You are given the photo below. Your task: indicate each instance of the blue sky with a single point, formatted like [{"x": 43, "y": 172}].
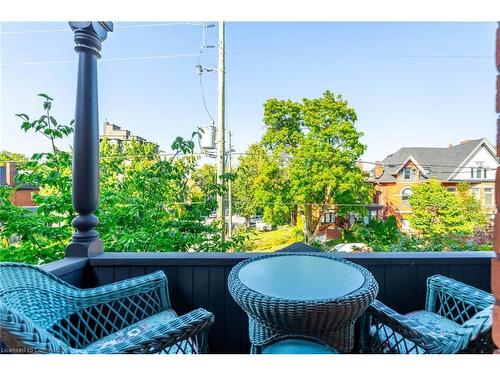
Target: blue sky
[{"x": 412, "y": 84}]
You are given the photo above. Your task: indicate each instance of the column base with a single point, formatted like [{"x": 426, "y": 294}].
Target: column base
[{"x": 84, "y": 249}]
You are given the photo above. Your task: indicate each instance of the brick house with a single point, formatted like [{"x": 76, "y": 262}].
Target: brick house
[
  {"x": 471, "y": 161},
  {"x": 23, "y": 194}
]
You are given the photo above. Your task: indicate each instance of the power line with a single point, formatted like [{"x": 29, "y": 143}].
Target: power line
[
  {"x": 116, "y": 27},
  {"x": 132, "y": 58},
  {"x": 202, "y": 69},
  {"x": 232, "y": 53},
  {"x": 245, "y": 153},
  {"x": 361, "y": 55}
]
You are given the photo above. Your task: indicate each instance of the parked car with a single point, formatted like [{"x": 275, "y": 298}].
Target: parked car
[
  {"x": 263, "y": 226},
  {"x": 352, "y": 247},
  {"x": 254, "y": 220}
]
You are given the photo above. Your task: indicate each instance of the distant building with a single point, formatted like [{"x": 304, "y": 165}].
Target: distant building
[
  {"x": 23, "y": 194},
  {"x": 117, "y": 135},
  {"x": 471, "y": 161}
]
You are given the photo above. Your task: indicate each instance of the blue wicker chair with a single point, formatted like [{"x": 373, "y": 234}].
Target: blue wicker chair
[
  {"x": 39, "y": 313},
  {"x": 457, "y": 319}
]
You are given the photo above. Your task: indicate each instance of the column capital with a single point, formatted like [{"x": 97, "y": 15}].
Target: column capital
[{"x": 90, "y": 35}]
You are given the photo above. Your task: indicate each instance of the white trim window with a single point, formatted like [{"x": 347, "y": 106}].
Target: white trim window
[
  {"x": 476, "y": 192},
  {"x": 409, "y": 174},
  {"x": 478, "y": 172},
  {"x": 488, "y": 197},
  {"x": 405, "y": 194},
  {"x": 329, "y": 218},
  {"x": 405, "y": 224}
]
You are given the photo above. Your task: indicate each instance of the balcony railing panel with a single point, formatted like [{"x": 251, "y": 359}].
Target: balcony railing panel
[
  {"x": 75, "y": 271},
  {"x": 200, "y": 280}
]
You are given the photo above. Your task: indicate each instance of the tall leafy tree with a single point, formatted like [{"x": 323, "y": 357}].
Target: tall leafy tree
[
  {"x": 320, "y": 144},
  {"x": 474, "y": 217},
  {"x": 146, "y": 203},
  {"x": 203, "y": 182},
  {"x": 262, "y": 186},
  {"x": 435, "y": 210},
  {"x": 42, "y": 235},
  {"x": 249, "y": 168}
]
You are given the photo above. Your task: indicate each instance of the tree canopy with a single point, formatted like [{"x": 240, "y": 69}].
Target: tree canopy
[
  {"x": 146, "y": 201},
  {"x": 318, "y": 145},
  {"x": 437, "y": 211}
]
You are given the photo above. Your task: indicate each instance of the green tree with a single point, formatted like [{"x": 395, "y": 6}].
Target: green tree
[
  {"x": 11, "y": 156},
  {"x": 435, "y": 210},
  {"x": 40, "y": 236},
  {"x": 474, "y": 217},
  {"x": 146, "y": 203},
  {"x": 203, "y": 182},
  {"x": 320, "y": 145},
  {"x": 249, "y": 168},
  {"x": 262, "y": 186}
]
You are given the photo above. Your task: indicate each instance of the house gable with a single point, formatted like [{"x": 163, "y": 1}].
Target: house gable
[
  {"x": 482, "y": 157},
  {"x": 410, "y": 163}
]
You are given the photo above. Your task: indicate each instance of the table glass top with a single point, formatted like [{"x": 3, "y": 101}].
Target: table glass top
[{"x": 301, "y": 277}]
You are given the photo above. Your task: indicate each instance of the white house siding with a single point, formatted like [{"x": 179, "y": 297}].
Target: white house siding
[{"x": 481, "y": 156}]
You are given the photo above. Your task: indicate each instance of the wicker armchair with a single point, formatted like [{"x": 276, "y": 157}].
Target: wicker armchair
[
  {"x": 457, "y": 318},
  {"x": 39, "y": 313}
]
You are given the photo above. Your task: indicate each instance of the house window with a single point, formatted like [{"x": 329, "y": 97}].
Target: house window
[
  {"x": 405, "y": 194},
  {"x": 488, "y": 197},
  {"x": 405, "y": 224},
  {"x": 476, "y": 192},
  {"x": 479, "y": 172},
  {"x": 451, "y": 189},
  {"x": 329, "y": 218},
  {"x": 409, "y": 174}
]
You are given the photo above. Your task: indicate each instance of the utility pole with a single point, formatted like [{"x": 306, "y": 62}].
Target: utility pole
[
  {"x": 221, "y": 212},
  {"x": 230, "y": 188}
]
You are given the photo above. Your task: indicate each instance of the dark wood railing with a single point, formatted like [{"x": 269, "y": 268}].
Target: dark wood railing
[{"x": 200, "y": 280}]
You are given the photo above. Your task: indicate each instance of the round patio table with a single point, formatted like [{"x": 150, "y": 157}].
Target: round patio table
[{"x": 311, "y": 296}]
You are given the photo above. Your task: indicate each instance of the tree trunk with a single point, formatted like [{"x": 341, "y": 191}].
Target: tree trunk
[
  {"x": 308, "y": 226},
  {"x": 318, "y": 223}
]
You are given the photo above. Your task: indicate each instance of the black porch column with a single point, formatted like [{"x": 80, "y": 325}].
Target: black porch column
[{"x": 88, "y": 40}]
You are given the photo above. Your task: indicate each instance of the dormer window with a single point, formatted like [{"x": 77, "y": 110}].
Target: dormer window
[{"x": 409, "y": 174}]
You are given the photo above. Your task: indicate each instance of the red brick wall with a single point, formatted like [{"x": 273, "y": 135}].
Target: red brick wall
[
  {"x": 495, "y": 266},
  {"x": 23, "y": 197}
]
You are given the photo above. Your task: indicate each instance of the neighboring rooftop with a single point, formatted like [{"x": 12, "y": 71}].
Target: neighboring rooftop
[
  {"x": 438, "y": 162},
  {"x": 116, "y": 133}
]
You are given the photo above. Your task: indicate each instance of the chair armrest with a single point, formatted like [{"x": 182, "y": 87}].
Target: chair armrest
[
  {"x": 382, "y": 317},
  {"x": 163, "y": 335},
  {"x": 480, "y": 323},
  {"x": 20, "y": 335},
  {"x": 443, "y": 293},
  {"x": 127, "y": 288}
]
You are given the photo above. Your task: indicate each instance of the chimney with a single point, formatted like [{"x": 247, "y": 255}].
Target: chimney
[
  {"x": 10, "y": 173},
  {"x": 379, "y": 170},
  {"x": 450, "y": 145},
  {"x": 360, "y": 165}
]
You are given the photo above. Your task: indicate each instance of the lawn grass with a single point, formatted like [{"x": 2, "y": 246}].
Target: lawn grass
[{"x": 273, "y": 240}]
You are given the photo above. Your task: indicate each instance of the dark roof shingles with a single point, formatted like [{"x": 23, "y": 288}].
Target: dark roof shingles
[{"x": 441, "y": 162}]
